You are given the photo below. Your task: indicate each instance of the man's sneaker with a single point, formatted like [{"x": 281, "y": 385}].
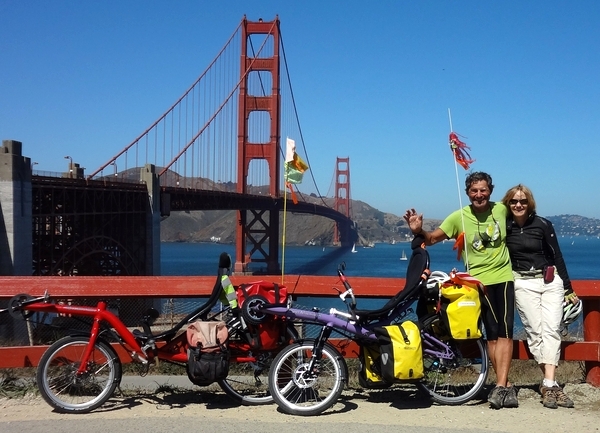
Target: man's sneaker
[
  {"x": 510, "y": 399},
  {"x": 496, "y": 397},
  {"x": 561, "y": 398},
  {"x": 549, "y": 396}
]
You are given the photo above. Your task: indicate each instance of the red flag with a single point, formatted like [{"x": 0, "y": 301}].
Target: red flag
[
  {"x": 292, "y": 192},
  {"x": 465, "y": 279},
  {"x": 460, "y": 151}
]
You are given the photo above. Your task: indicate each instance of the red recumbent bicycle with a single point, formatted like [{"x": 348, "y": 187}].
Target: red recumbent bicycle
[{"x": 80, "y": 372}]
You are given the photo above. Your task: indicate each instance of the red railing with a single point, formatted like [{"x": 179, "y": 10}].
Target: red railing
[{"x": 186, "y": 287}]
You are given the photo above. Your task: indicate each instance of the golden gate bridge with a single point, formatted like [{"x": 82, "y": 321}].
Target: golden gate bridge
[{"x": 219, "y": 146}]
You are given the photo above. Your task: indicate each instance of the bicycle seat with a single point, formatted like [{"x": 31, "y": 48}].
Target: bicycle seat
[
  {"x": 202, "y": 311},
  {"x": 224, "y": 268},
  {"x": 416, "y": 276}
]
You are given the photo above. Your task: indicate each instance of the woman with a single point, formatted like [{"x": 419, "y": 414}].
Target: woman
[{"x": 542, "y": 284}]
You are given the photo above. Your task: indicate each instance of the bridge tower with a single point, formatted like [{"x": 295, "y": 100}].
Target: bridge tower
[
  {"x": 342, "y": 193},
  {"x": 257, "y": 237}
]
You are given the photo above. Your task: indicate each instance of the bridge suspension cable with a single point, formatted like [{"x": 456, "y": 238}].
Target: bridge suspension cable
[
  {"x": 199, "y": 122},
  {"x": 194, "y": 143},
  {"x": 297, "y": 122}
]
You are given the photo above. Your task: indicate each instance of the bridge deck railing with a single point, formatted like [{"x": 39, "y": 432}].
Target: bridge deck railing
[{"x": 587, "y": 350}]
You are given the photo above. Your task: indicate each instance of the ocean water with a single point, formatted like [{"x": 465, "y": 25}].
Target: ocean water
[{"x": 581, "y": 254}]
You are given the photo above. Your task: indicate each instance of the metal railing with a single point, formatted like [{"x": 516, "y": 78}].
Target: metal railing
[{"x": 133, "y": 293}]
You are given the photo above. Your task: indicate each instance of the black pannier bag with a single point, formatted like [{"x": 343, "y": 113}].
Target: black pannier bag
[{"x": 208, "y": 356}]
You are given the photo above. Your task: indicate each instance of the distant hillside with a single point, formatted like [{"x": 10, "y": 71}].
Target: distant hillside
[
  {"x": 373, "y": 226},
  {"x": 575, "y": 225}
]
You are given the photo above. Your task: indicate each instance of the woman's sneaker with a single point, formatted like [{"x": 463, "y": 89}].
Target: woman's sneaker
[
  {"x": 549, "y": 396},
  {"x": 510, "y": 399},
  {"x": 561, "y": 398}
]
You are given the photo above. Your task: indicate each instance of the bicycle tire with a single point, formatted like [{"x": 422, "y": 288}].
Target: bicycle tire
[
  {"x": 294, "y": 391},
  {"x": 247, "y": 381},
  {"x": 458, "y": 380},
  {"x": 66, "y": 391}
]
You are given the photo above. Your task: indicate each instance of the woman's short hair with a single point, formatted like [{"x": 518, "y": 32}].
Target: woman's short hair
[{"x": 528, "y": 194}]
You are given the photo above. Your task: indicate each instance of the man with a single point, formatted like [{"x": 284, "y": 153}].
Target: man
[{"x": 483, "y": 225}]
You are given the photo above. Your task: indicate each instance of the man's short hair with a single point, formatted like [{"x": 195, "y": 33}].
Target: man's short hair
[{"x": 477, "y": 176}]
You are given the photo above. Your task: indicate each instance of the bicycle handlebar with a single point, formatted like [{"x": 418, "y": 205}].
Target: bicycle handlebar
[
  {"x": 24, "y": 303},
  {"x": 348, "y": 288}
]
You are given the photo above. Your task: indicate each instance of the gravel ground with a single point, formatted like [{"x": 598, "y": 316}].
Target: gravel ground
[{"x": 357, "y": 410}]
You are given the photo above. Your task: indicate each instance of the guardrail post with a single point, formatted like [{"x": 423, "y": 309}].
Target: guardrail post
[{"x": 591, "y": 332}]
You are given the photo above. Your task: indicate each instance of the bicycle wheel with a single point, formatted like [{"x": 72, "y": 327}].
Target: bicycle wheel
[
  {"x": 456, "y": 377},
  {"x": 247, "y": 381},
  {"x": 298, "y": 391},
  {"x": 66, "y": 390}
]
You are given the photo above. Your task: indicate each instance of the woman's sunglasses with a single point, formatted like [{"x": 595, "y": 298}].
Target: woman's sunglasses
[{"x": 522, "y": 202}]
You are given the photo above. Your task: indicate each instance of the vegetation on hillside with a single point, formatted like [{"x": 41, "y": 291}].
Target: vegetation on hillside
[{"x": 373, "y": 226}]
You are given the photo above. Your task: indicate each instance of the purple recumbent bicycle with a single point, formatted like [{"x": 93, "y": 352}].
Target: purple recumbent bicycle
[{"x": 308, "y": 376}]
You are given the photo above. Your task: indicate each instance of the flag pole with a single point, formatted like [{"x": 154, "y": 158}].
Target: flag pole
[
  {"x": 284, "y": 229},
  {"x": 294, "y": 168},
  {"x": 462, "y": 217}
]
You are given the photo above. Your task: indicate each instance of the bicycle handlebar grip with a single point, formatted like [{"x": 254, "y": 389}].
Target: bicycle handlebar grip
[{"x": 344, "y": 280}]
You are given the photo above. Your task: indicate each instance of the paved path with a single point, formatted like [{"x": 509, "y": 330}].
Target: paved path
[{"x": 197, "y": 409}]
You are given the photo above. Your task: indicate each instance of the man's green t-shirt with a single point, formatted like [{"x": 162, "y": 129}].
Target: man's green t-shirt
[{"x": 485, "y": 242}]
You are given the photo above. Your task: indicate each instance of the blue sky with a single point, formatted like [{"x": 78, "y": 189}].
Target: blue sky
[{"x": 373, "y": 81}]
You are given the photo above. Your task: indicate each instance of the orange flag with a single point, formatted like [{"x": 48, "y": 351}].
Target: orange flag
[{"x": 459, "y": 245}]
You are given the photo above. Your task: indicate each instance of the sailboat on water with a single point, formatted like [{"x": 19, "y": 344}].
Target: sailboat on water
[{"x": 403, "y": 257}]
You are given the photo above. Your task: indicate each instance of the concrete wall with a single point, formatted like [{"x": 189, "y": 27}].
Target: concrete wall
[
  {"x": 15, "y": 228},
  {"x": 150, "y": 178},
  {"x": 15, "y": 210}
]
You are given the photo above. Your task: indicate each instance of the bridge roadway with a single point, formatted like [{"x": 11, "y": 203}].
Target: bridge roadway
[
  {"x": 90, "y": 218},
  {"x": 188, "y": 199},
  {"x": 182, "y": 199}
]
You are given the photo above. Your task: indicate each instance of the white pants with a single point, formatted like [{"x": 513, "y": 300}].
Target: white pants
[{"x": 541, "y": 310}]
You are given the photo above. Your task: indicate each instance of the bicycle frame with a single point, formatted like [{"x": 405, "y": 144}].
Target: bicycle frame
[
  {"x": 173, "y": 350},
  {"x": 99, "y": 314},
  {"x": 356, "y": 332},
  {"x": 349, "y": 324}
]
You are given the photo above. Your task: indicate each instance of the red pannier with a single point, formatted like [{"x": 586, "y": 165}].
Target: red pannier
[
  {"x": 266, "y": 332},
  {"x": 273, "y": 293}
]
